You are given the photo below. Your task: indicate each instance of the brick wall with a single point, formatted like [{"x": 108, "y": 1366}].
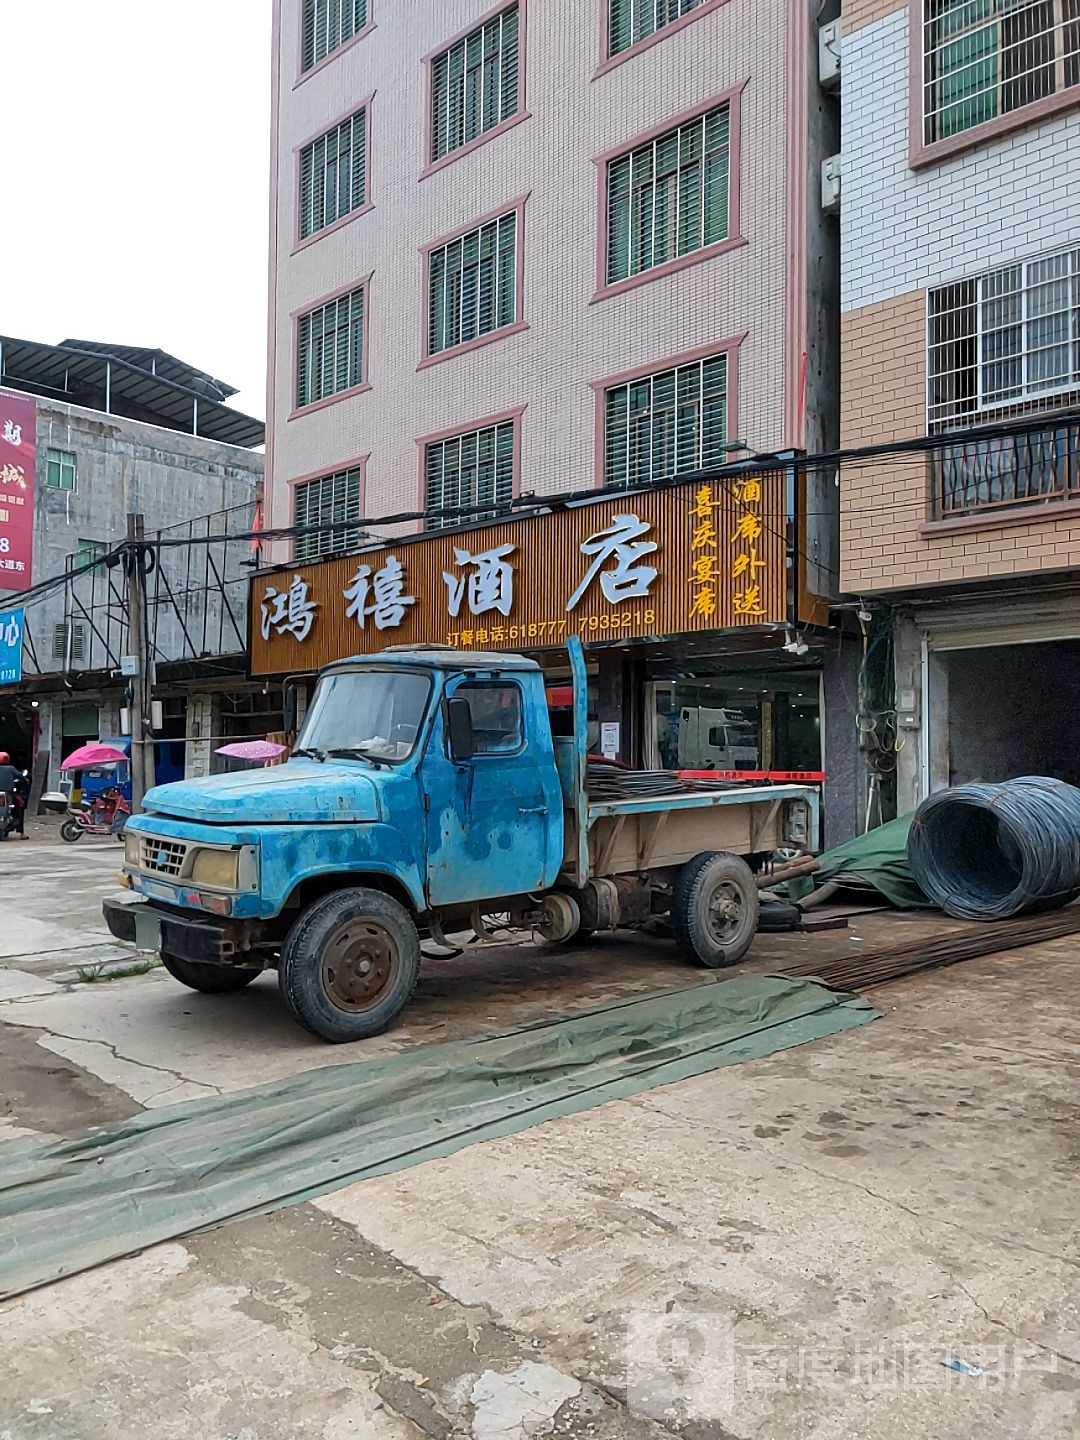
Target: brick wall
[
  {"x": 857, "y": 13},
  {"x": 905, "y": 229},
  {"x": 570, "y": 341},
  {"x": 903, "y": 232},
  {"x": 887, "y": 540}
]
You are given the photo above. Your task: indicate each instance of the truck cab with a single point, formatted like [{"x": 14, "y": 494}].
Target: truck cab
[{"x": 425, "y": 793}]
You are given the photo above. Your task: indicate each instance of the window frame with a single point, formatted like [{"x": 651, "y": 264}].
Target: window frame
[
  {"x": 1051, "y": 402},
  {"x": 358, "y": 462},
  {"x": 50, "y": 451},
  {"x": 734, "y": 238},
  {"x": 430, "y": 166},
  {"x": 309, "y": 308},
  {"x": 301, "y": 242},
  {"x": 354, "y": 38},
  {"x": 519, "y": 323},
  {"x": 608, "y": 61},
  {"x": 91, "y": 550},
  {"x": 492, "y": 684},
  {"x": 922, "y": 152},
  {"x": 452, "y": 432},
  {"x": 730, "y": 346}
]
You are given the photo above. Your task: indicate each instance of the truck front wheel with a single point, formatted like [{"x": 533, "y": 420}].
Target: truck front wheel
[
  {"x": 714, "y": 909},
  {"x": 350, "y": 964},
  {"x": 210, "y": 979}
]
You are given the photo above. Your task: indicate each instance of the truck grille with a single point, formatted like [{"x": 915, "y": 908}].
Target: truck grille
[{"x": 162, "y": 857}]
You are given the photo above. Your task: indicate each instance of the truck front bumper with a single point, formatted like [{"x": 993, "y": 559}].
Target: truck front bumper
[{"x": 199, "y": 938}]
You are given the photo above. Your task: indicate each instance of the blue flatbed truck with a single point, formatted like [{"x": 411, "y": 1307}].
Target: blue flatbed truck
[{"x": 426, "y": 795}]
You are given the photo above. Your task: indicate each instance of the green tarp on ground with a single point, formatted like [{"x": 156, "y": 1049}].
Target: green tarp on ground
[
  {"x": 66, "y": 1205},
  {"x": 877, "y": 859}
]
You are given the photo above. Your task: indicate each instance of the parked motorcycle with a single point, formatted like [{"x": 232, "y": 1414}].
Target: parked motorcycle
[{"x": 106, "y": 814}]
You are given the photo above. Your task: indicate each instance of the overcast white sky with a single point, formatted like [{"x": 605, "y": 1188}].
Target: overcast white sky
[{"x": 135, "y": 179}]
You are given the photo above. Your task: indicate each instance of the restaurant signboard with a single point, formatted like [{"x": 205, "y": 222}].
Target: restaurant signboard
[{"x": 688, "y": 558}]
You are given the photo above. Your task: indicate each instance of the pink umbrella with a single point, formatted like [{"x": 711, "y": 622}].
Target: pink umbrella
[
  {"x": 252, "y": 750},
  {"x": 87, "y": 756}
]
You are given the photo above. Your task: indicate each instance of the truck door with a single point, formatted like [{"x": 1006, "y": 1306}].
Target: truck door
[{"x": 494, "y": 822}]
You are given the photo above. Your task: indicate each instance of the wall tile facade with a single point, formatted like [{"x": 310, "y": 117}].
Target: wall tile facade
[
  {"x": 547, "y": 368},
  {"x": 904, "y": 232},
  {"x": 859, "y": 13}
]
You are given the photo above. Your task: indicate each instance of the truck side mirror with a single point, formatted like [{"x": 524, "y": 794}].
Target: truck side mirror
[{"x": 459, "y": 727}]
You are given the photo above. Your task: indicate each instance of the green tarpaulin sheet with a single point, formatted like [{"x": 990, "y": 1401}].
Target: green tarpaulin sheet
[
  {"x": 877, "y": 859},
  {"x": 66, "y": 1205}
]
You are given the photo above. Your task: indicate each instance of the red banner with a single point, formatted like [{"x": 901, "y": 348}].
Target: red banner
[
  {"x": 18, "y": 435},
  {"x": 801, "y": 777}
]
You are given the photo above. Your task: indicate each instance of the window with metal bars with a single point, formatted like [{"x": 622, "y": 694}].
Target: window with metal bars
[
  {"x": 472, "y": 284},
  {"x": 475, "y": 84},
  {"x": 631, "y": 21},
  {"x": 1006, "y": 342},
  {"x": 475, "y": 468},
  {"x": 333, "y": 175},
  {"x": 1001, "y": 345},
  {"x": 661, "y": 425},
  {"x": 332, "y": 501},
  {"x": 328, "y": 24},
  {"x": 985, "y": 58},
  {"x": 669, "y": 197},
  {"x": 330, "y": 348}
]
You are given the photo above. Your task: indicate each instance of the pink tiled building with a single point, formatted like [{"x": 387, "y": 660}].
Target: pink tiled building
[
  {"x": 536, "y": 247},
  {"x": 493, "y": 222}
]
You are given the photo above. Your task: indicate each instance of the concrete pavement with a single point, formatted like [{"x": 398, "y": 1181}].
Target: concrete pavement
[{"x": 788, "y": 1248}]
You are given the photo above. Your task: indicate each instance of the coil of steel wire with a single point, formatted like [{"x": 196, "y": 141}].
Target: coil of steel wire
[{"x": 984, "y": 852}]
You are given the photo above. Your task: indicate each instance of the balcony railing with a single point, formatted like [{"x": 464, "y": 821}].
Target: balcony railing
[{"x": 1006, "y": 471}]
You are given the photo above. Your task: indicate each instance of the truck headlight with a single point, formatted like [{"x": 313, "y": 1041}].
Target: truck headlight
[
  {"x": 131, "y": 850},
  {"x": 216, "y": 867}
]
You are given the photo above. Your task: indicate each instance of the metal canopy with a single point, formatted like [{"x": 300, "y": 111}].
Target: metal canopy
[{"x": 129, "y": 381}]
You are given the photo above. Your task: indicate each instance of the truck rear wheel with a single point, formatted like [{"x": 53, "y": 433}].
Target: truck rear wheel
[
  {"x": 210, "y": 979},
  {"x": 714, "y": 909},
  {"x": 350, "y": 964}
]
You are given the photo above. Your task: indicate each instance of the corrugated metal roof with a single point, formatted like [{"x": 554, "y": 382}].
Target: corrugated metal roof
[
  {"x": 76, "y": 373},
  {"x": 160, "y": 362}
]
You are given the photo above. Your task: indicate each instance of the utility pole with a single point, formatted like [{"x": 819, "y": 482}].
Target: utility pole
[{"x": 142, "y": 740}]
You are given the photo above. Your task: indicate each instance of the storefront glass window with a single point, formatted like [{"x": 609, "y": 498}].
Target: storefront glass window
[{"x": 737, "y": 722}]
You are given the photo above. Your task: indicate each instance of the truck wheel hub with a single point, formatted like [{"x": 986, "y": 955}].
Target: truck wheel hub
[
  {"x": 358, "y": 964},
  {"x": 725, "y": 911}
]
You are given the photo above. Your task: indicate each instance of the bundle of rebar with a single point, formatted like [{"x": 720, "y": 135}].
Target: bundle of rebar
[
  {"x": 612, "y": 782},
  {"x": 984, "y": 852},
  {"x": 878, "y": 967}
]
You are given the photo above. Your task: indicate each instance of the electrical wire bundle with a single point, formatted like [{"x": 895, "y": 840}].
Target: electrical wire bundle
[{"x": 985, "y": 852}]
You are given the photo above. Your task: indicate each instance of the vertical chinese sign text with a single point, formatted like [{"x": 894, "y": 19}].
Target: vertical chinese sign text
[{"x": 18, "y": 427}]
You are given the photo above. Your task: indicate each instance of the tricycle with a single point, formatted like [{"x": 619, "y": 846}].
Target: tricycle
[
  {"x": 425, "y": 796},
  {"x": 104, "y": 814}
]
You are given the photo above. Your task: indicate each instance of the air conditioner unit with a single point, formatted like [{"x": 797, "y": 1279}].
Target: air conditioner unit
[
  {"x": 829, "y": 38},
  {"x": 831, "y": 171}
]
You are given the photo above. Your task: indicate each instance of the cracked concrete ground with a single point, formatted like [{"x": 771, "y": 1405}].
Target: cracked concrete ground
[{"x": 787, "y": 1248}]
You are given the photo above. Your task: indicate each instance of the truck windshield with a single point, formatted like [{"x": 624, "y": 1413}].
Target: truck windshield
[{"x": 375, "y": 714}]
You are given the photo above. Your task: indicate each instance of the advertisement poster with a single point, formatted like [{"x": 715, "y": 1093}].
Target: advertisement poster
[
  {"x": 11, "y": 643},
  {"x": 18, "y": 428}
]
